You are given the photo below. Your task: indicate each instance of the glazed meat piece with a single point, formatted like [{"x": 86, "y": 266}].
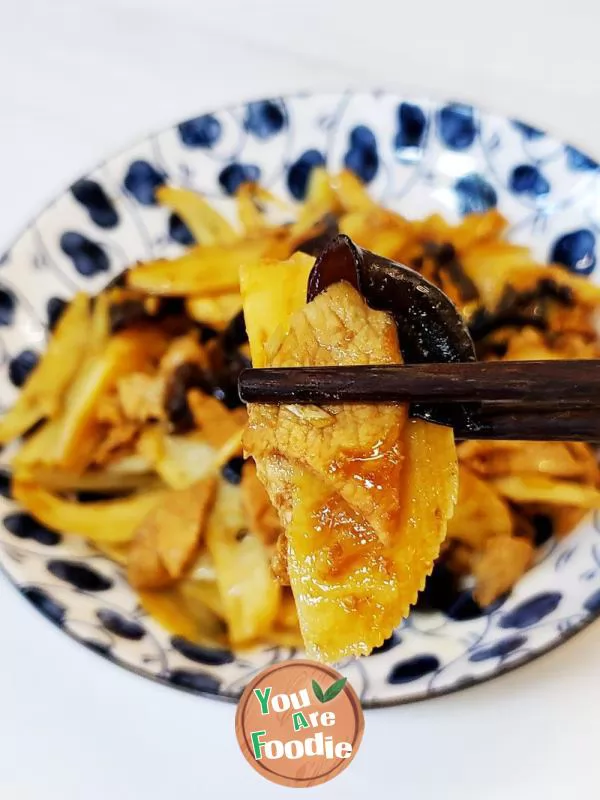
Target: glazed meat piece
[
  {"x": 356, "y": 449},
  {"x": 363, "y": 494},
  {"x": 499, "y": 566}
]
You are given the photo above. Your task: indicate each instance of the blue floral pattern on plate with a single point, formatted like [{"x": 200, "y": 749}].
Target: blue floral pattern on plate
[{"x": 419, "y": 157}]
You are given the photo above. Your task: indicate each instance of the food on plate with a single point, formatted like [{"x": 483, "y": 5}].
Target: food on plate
[
  {"x": 361, "y": 527},
  {"x": 135, "y": 403},
  {"x": 244, "y": 580},
  {"x": 40, "y": 398},
  {"x": 168, "y": 538}
]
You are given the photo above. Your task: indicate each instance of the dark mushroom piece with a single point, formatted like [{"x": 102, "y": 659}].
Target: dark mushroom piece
[
  {"x": 430, "y": 328},
  {"x": 229, "y": 361},
  {"x": 186, "y": 377},
  {"x": 326, "y": 230}
]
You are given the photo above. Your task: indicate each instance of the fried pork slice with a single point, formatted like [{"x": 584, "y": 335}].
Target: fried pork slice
[
  {"x": 356, "y": 449},
  {"x": 362, "y": 493},
  {"x": 500, "y": 564}
]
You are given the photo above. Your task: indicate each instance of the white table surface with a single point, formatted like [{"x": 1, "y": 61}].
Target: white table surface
[{"x": 79, "y": 79}]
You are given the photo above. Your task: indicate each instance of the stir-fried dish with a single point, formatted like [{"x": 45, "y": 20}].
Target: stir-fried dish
[
  {"x": 131, "y": 433},
  {"x": 363, "y": 493}
]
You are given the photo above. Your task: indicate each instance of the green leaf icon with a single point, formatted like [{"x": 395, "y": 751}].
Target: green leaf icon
[
  {"x": 318, "y": 692},
  {"x": 334, "y": 690},
  {"x": 331, "y": 693}
]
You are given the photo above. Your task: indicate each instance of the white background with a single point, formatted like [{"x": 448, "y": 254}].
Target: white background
[{"x": 80, "y": 78}]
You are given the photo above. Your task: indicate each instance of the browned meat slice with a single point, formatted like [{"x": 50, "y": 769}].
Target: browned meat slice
[
  {"x": 363, "y": 494},
  {"x": 356, "y": 449}
]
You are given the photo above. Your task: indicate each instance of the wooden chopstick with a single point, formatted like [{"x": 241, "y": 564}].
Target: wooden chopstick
[
  {"x": 517, "y": 400},
  {"x": 559, "y": 383},
  {"x": 530, "y": 424}
]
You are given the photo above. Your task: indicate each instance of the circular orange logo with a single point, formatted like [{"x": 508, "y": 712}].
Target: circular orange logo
[{"x": 299, "y": 723}]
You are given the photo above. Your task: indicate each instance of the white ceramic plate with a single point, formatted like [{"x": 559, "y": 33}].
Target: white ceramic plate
[{"x": 417, "y": 156}]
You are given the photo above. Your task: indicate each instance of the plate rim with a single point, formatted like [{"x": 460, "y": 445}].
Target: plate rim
[
  {"x": 403, "y": 95},
  {"x": 369, "y": 705}
]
